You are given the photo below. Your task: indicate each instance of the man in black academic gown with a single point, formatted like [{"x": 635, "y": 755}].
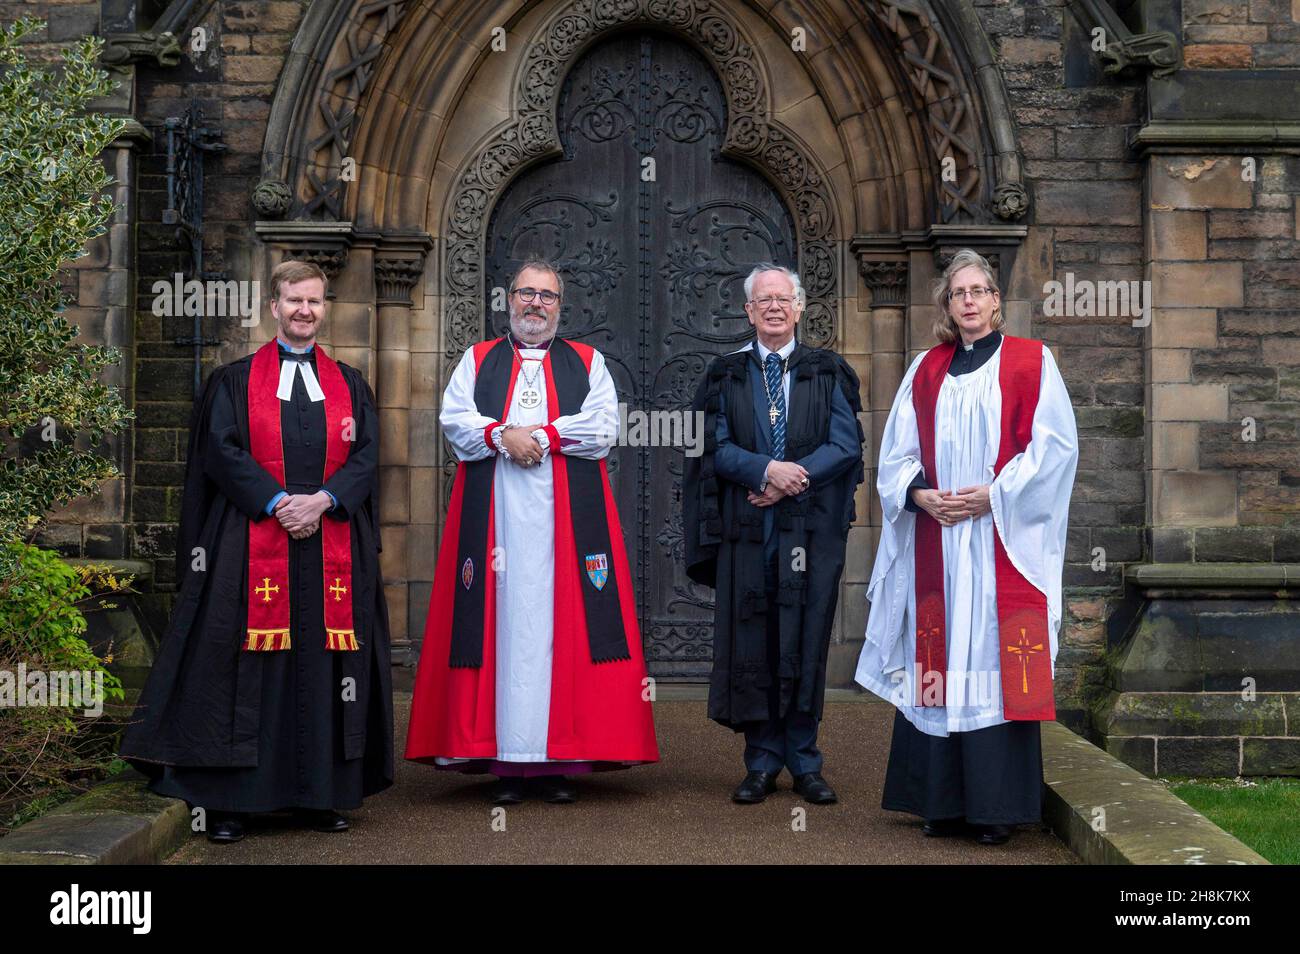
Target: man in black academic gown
[
  {"x": 280, "y": 477},
  {"x": 768, "y": 508}
]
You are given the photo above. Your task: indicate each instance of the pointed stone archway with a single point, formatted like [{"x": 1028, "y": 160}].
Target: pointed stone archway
[{"x": 398, "y": 124}]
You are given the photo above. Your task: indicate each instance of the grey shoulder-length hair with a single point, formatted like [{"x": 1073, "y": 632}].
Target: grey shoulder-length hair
[{"x": 945, "y": 329}]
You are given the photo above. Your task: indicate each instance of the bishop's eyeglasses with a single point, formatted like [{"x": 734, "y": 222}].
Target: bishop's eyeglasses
[{"x": 527, "y": 295}]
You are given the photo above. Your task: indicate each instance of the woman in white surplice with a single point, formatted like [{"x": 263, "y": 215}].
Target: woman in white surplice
[{"x": 961, "y": 765}]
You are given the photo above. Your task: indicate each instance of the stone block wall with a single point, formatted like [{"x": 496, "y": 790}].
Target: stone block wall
[
  {"x": 1224, "y": 251},
  {"x": 1241, "y": 34}
]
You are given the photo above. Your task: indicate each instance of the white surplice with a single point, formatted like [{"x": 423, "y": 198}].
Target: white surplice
[
  {"x": 1030, "y": 502},
  {"x": 524, "y": 511}
]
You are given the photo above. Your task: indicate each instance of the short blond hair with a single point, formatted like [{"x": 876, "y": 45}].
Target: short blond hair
[
  {"x": 945, "y": 329},
  {"x": 291, "y": 270}
]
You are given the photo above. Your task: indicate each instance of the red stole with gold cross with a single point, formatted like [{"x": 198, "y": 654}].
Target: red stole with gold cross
[
  {"x": 268, "y": 542},
  {"x": 1023, "y": 639}
]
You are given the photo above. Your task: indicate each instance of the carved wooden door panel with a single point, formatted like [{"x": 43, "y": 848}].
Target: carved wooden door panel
[{"x": 654, "y": 233}]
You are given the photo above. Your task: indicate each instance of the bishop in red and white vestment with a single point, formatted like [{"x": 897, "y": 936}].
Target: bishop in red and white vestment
[{"x": 532, "y": 659}]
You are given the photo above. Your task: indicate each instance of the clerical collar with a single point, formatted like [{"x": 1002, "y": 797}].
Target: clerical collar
[
  {"x": 990, "y": 340},
  {"x": 783, "y": 352},
  {"x": 524, "y": 346},
  {"x": 293, "y": 350}
]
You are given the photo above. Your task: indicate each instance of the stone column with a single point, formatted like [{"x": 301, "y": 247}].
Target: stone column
[
  {"x": 399, "y": 266},
  {"x": 887, "y": 281}
]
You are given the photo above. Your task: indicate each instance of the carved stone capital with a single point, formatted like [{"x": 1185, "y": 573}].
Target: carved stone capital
[
  {"x": 887, "y": 281},
  {"x": 127, "y": 48},
  {"x": 396, "y": 274},
  {"x": 322, "y": 243},
  {"x": 332, "y": 260},
  {"x": 944, "y": 255}
]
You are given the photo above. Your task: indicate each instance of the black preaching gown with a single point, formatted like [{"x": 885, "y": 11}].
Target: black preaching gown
[
  {"x": 307, "y": 750},
  {"x": 990, "y": 776}
]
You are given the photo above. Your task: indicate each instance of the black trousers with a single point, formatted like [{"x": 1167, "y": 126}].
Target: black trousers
[
  {"x": 784, "y": 741},
  {"x": 991, "y": 776}
]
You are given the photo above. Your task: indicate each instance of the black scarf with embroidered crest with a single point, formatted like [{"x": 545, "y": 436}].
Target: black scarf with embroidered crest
[{"x": 579, "y": 481}]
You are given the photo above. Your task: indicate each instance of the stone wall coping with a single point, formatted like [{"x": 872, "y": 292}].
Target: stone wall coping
[
  {"x": 1141, "y": 822},
  {"x": 1243, "y": 576},
  {"x": 1196, "y": 135},
  {"x": 118, "y": 822}
]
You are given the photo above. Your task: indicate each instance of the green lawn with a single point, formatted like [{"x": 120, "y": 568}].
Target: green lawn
[{"x": 1264, "y": 814}]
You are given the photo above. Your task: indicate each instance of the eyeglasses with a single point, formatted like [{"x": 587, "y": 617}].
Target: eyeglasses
[
  {"x": 785, "y": 301},
  {"x": 978, "y": 293},
  {"x": 547, "y": 296}
]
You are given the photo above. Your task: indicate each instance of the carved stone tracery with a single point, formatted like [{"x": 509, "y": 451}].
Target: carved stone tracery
[{"x": 340, "y": 90}]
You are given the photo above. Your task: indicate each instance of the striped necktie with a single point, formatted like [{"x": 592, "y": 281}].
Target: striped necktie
[{"x": 776, "y": 399}]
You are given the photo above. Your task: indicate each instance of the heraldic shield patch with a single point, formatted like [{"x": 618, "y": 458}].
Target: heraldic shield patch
[{"x": 597, "y": 569}]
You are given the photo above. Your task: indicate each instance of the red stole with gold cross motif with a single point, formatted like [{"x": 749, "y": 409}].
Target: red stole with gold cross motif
[
  {"x": 1023, "y": 639},
  {"x": 268, "y": 542}
]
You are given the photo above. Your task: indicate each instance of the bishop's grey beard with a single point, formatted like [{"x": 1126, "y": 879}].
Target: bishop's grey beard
[{"x": 531, "y": 326}]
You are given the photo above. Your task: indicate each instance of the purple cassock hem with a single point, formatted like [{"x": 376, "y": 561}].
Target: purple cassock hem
[{"x": 519, "y": 769}]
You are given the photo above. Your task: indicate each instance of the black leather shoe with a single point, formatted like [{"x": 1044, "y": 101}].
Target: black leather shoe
[
  {"x": 993, "y": 834},
  {"x": 756, "y": 787},
  {"x": 943, "y": 827},
  {"x": 226, "y": 829},
  {"x": 557, "y": 790},
  {"x": 813, "y": 788},
  {"x": 322, "y": 819},
  {"x": 509, "y": 791}
]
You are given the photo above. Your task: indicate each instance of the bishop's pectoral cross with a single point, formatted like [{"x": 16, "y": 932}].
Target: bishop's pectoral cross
[
  {"x": 266, "y": 589},
  {"x": 1024, "y": 651},
  {"x": 772, "y": 414}
]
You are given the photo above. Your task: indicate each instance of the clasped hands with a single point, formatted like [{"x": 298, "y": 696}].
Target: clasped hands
[
  {"x": 785, "y": 478},
  {"x": 300, "y": 514},
  {"x": 949, "y": 507},
  {"x": 520, "y": 446}
]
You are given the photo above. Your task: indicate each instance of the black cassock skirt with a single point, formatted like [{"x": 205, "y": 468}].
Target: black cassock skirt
[
  {"x": 300, "y": 736},
  {"x": 991, "y": 776}
]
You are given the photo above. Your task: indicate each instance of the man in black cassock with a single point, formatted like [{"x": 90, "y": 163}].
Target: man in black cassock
[
  {"x": 767, "y": 509},
  {"x": 235, "y": 718}
]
